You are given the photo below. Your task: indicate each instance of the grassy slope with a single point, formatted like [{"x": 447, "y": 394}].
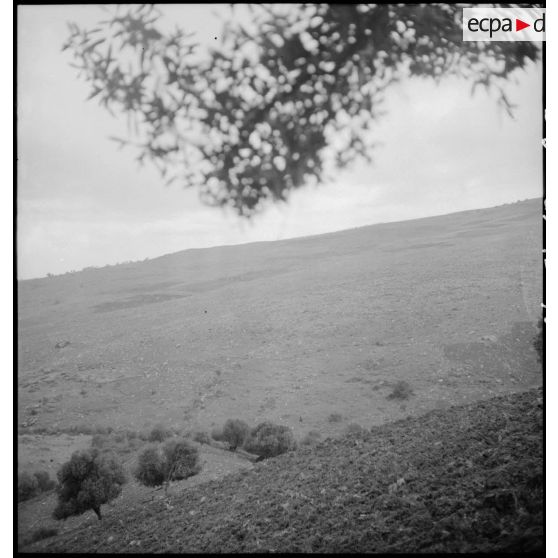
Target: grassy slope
[
  {"x": 290, "y": 331},
  {"x": 472, "y": 482}
]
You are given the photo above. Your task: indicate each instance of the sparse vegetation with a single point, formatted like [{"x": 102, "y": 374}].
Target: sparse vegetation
[
  {"x": 235, "y": 432},
  {"x": 335, "y": 417},
  {"x": 270, "y": 440},
  {"x": 87, "y": 481},
  {"x": 312, "y": 438},
  {"x": 401, "y": 390},
  {"x": 355, "y": 428},
  {"x": 455, "y": 489}
]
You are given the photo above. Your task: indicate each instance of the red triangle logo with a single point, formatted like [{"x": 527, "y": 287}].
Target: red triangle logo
[{"x": 519, "y": 25}]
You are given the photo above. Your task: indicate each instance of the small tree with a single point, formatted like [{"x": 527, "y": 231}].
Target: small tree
[
  {"x": 235, "y": 433},
  {"x": 27, "y": 486},
  {"x": 86, "y": 482},
  {"x": 270, "y": 440},
  {"x": 150, "y": 470},
  {"x": 176, "y": 460},
  {"x": 182, "y": 459}
]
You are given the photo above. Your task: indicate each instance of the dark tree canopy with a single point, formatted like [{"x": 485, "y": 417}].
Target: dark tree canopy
[
  {"x": 87, "y": 481},
  {"x": 269, "y": 108}
]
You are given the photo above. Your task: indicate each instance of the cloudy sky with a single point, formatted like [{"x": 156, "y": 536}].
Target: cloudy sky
[{"x": 82, "y": 202}]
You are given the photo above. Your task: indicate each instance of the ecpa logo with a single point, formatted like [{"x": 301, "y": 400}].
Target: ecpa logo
[{"x": 504, "y": 24}]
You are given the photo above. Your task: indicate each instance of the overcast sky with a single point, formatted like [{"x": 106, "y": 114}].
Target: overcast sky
[{"x": 82, "y": 202}]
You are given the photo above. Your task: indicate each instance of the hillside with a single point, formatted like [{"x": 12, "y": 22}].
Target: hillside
[
  {"x": 289, "y": 331},
  {"x": 314, "y": 333},
  {"x": 468, "y": 479}
]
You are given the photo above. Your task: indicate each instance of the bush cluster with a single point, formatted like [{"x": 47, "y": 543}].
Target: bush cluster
[
  {"x": 29, "y": 486},
  {"x": 175, "y": 460},
  {"x": 201, "y": 437},
  {"x": 269, "y": 440},
  {"x": 265, "y": 440}
]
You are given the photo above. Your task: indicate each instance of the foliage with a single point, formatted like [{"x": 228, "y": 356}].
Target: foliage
[
  {"x": 270, "y": 440},
  {"x": 401, "y": 390},
  {"x": 538, "y": 340},
  {"x": 176, "y": 460},
  {"x": 235, "y": 432},
  {"x": 29, "y": 486},
  {"x": 150, "y": 470},
  {"x": 265, "y": 111},
  {"x": 44, "y": 482},
  {"x": 201, "y": 437},
  {"x": 159, "y": 434},
  {"x": 87, "y": 481},
  {"x": 182, "y": 459}
]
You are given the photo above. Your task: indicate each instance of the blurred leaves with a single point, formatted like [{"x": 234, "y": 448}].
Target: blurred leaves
[{"x": 279, "y": 97}]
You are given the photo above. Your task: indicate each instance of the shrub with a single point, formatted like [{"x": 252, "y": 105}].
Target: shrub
[
  {"x": 538, "y": 340},
  {"x": 401, "y": 390},
  {"x": 44, "y": 482},
  {"x": 217, "y": 434},
  {"x": 201, "y": 437},
  {"x": 159, "y": 434},
  {"x": 176, "y": 460},
  {"x": 311, "y": 438},
  {"x": 150, "y": 470},
  {"x": 87, "y": 481},
  {"x": 235, "y": 433},
  {"x": 181, "y": 459},
  {"x": 335, "y": 417},
  {"x": 27, "y": 486},
  {"x": 270, "y": 440}
]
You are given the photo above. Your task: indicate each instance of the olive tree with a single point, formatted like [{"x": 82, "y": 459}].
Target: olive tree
[
  {"x": 88, "y": 480},
  {"x": 284, "y": 93}
]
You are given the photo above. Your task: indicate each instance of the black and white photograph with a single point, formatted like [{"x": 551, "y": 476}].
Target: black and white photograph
[{"x": 280, "y": 278}]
